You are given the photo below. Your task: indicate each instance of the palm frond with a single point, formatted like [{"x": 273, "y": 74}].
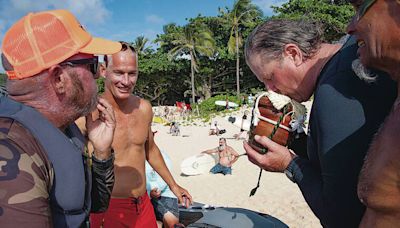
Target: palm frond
[
  {"x": 232, "y": 44},
  {"x": 175, "y": 51}
]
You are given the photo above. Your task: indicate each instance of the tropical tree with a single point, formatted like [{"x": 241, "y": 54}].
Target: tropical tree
[
  {"x": 140, "y": 45},
  {"x": 242, "y": 15},
  {"x": 332, "y": 14},
  {"x": 164, "y": 81},
  {"x": 195, "y": 39},
  {"x": 160, "y": 80}
]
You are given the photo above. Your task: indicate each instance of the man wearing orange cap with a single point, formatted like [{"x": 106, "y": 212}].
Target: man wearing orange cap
[
  {"x": 376, "y": 28},
  {"x": 45, "y": 177},
  {"x": 133, "y": 142}
]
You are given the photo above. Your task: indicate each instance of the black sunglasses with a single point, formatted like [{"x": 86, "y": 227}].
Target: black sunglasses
[{"x": 93, "y": 63}]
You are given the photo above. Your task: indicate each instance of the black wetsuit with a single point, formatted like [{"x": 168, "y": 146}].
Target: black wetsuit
[{"x": 345, "y": 115}]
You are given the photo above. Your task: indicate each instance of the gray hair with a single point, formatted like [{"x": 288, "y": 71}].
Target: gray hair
[
  {"x": 362, "y": 72},
  {"x": 270, "y": 37},
  {"x": 125, "y": 47},
  {"x": 34, "y": 84}
]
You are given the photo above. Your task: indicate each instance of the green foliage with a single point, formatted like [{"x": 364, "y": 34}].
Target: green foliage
[
  {"x": 165, "y": 81},
  {"x": 165, "y": 40},
  {"x": 100, "y": 85},
  {"x": 334, "y": 17},
  {"x": 140, "y": 45},
  {"x": 161, "y": 80},
  {"x": 3, "y": 79},
  {"x": 195, "y": 40},
  {"x": 243, "y": 14},
  {"x": 255, "y": 91},
  {"x": 208, "y": 107}
]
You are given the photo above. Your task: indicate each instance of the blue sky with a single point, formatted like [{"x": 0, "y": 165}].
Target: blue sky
[{"x": 122, "y": 19}]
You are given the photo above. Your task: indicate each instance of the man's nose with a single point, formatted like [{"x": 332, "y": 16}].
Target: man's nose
[{"x": 125, "y": 78}]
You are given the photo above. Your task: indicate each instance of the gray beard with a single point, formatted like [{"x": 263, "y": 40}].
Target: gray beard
[
  {"x": 362, "y": 72},
  {"x": 76, "y": 102}
]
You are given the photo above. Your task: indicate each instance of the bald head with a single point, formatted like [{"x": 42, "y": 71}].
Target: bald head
[{"x": 126, "y": 48}]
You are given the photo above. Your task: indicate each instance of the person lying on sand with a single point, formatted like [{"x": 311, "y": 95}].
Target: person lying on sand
[{"x": 215, "y": 130}]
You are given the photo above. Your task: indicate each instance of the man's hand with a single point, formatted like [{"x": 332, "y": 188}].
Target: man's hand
[
  {"x": 101, "y": 130},
  {"x": 184, "y": 198},
  {"x": 275, "y": 160},
  {"x": 155, "y": 193}
]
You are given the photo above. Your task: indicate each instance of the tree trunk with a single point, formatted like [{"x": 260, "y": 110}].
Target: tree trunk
[
  {"x": 192, "y": 75},
  {"x": 237, "y": 63},
  {"x": 207, "y": 91}
]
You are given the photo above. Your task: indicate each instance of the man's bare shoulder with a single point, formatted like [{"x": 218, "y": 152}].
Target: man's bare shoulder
[
  {"x": 81, "y": 123},
  {"x": 145, "y": 105}
]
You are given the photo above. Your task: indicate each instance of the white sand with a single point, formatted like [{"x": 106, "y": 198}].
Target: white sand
[{"x": 277, "y": 195}]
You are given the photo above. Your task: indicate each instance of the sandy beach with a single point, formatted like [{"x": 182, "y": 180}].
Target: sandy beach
[{"x": 276, "y": 196}]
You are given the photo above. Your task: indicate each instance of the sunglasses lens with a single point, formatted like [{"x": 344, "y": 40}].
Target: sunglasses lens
[
  {"x": 91, "y": 63},
  {"x": 94, "y": 66}
]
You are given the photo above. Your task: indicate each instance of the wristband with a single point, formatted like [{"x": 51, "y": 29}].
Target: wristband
[
  {"x": 289, "y": 171},
  {"x": 106, "y": 161}
]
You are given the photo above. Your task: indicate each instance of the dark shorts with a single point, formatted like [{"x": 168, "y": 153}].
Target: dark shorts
[
  {"x": 218, "y": 168},
  {"x": 164, "y": 204}
]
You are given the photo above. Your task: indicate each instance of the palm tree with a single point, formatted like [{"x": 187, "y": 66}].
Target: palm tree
[
  {"x": 139, "y": 45},
  {"x": 195, "y": 39},
  {"x": 243, "y": 13}
]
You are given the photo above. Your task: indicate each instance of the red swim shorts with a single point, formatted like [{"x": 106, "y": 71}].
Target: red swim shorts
[{"x": 128, "y": 212}]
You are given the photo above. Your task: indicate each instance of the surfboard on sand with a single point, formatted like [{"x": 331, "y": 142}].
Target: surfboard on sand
[
  {"x": 223, "y": 103},
  {"x": 198, "y": 164}
]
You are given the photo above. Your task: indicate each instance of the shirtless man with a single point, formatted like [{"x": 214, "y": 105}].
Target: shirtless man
[
  {"x": 227, "y": 156},
  {"x": 133, "y": 144},
  {"x": 376, "y": 27}
]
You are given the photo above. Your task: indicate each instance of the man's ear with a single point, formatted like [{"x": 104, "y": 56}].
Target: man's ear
[
  {"x": 294, "y": 53},
  {"x": 103, "y": 69},
  {"x": 58, "y": 78}
]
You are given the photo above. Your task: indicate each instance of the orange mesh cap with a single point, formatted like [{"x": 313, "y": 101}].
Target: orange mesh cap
[{"x": 40, "y": 40}]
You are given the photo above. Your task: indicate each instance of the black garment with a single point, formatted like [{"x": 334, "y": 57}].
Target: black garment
[
  {"x": 102, "y": 183},
  {"x": 345, "y": 115},
  {"x": 299, "y": 144}
]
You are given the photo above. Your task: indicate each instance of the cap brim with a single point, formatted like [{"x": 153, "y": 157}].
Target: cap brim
[{"x": 99, "y": 46}]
